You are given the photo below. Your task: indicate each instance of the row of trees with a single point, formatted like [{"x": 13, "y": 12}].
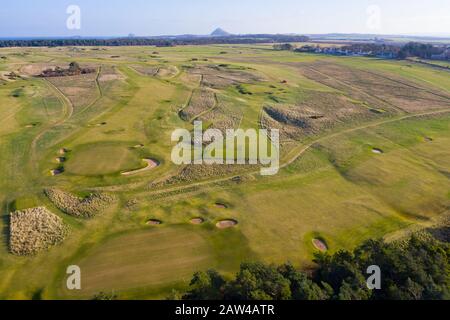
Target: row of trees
[
  {"x": 421, "y": 50},
  {"x": 157, "y": 41},
  {"x": 417, "y": 269}
]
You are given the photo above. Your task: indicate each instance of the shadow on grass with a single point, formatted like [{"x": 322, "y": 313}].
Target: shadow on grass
[{"x": 5, "y": 218}]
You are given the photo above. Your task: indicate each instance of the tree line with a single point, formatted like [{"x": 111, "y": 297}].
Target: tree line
[
  {"x": 157, "y": 41},
  {"x": 416, "y": 269},
  {"x": 420, "y": 50}
]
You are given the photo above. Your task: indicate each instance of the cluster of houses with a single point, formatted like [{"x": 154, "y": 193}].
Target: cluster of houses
[
  {"x": 348, "y": 51},
  {"x": 382, "y": 51}
]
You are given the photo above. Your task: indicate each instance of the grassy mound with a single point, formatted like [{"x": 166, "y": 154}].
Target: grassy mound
[
  {"x": 34, "y": 230},
  {"x": 86, "y": 207}
]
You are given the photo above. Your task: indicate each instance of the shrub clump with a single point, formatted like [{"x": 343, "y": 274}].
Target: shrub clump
[
  {"x": 74, "y": 69},
  {"x": 86, "y": 207},
  {"x": 34, "y": 230}
]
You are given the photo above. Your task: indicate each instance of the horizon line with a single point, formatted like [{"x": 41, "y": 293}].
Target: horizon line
[{"x": 131, "y": 35}]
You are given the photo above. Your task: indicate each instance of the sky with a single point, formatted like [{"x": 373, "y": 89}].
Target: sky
[{"x": 47, "y": 18}]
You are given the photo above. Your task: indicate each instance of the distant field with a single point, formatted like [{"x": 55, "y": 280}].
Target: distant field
[{"x": 364, "y": 154}]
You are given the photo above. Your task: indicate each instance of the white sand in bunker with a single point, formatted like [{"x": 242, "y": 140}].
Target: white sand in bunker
[
  {"x": 63, "y": 151},
  {"x": 377, "y": 151},
  {"x": 101, "y": 124},
  {"x": 197, "y": 221},
  {"x": 320, "y": 245},
  {"x": 151, "y": 164},
  {"x": 225, "y": 224}
]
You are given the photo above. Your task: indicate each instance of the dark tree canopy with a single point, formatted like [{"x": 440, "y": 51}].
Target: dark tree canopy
[
  {"x": 156, "y": 41},
  {"x": 416, "y": 269}
]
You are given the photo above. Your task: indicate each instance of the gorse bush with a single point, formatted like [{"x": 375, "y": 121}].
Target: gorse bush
[
  {"x": 34, "y": 230},
  {"x": 416, "y": 269},
  {"x": 86, "y": 207}
]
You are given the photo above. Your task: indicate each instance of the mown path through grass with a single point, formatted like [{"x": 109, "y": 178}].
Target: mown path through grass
[{"x": 68, "y": 112}]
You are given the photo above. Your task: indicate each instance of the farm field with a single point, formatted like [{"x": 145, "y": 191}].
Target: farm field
[{"x": 365, "y": 154}]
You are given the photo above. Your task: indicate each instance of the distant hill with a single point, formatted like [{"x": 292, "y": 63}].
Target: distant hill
[{"x": 220, "y": 33}]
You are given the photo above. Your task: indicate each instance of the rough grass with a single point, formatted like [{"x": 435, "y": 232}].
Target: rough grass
[
  {"x": 225, "y": 116},
  {"x": 202, "y": 100},
  {"x": 315, "y": 113},
  {"x": 404, "y": 94},
  {"x": 35, "y": 230},
  {"x": 223, "y": 75},
  {"x": 80, "y": 90},
  {"x": 86, "y": 207},
  {"x": 156, "y": 71},
  {"x": 192, "y": 173}
]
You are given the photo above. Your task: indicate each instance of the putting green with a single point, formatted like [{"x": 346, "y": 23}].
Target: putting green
[{"x": 102, "y": 159}]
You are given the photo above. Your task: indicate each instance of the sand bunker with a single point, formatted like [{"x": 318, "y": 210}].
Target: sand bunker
[
  {"x": 221, "y": 205},
  {"x": 151, "y": 164},
  {"x": 377, "y": 151},
  {"x": 197, "y": 221},
  {"x": 154, "y": 222},
  {"x": 225, "y": 224},
  {"x": 56, "y": 172},
  {"x": 101, "y": 124},
  {"x": 320, "y": 245},
  {"x": 63, "y": 151},
  {"x": 60, "y": 159}
]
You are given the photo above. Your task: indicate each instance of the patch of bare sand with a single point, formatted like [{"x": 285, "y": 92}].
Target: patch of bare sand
[
  {"x": 151, "y": 164},
  {"x": 320, "y": 245},
  {"x": 197, "y": 221},
  {"x": 154, "y": 222},
  {"x": 225, "y": 224},
  {"x": 377, "y": 151}
]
